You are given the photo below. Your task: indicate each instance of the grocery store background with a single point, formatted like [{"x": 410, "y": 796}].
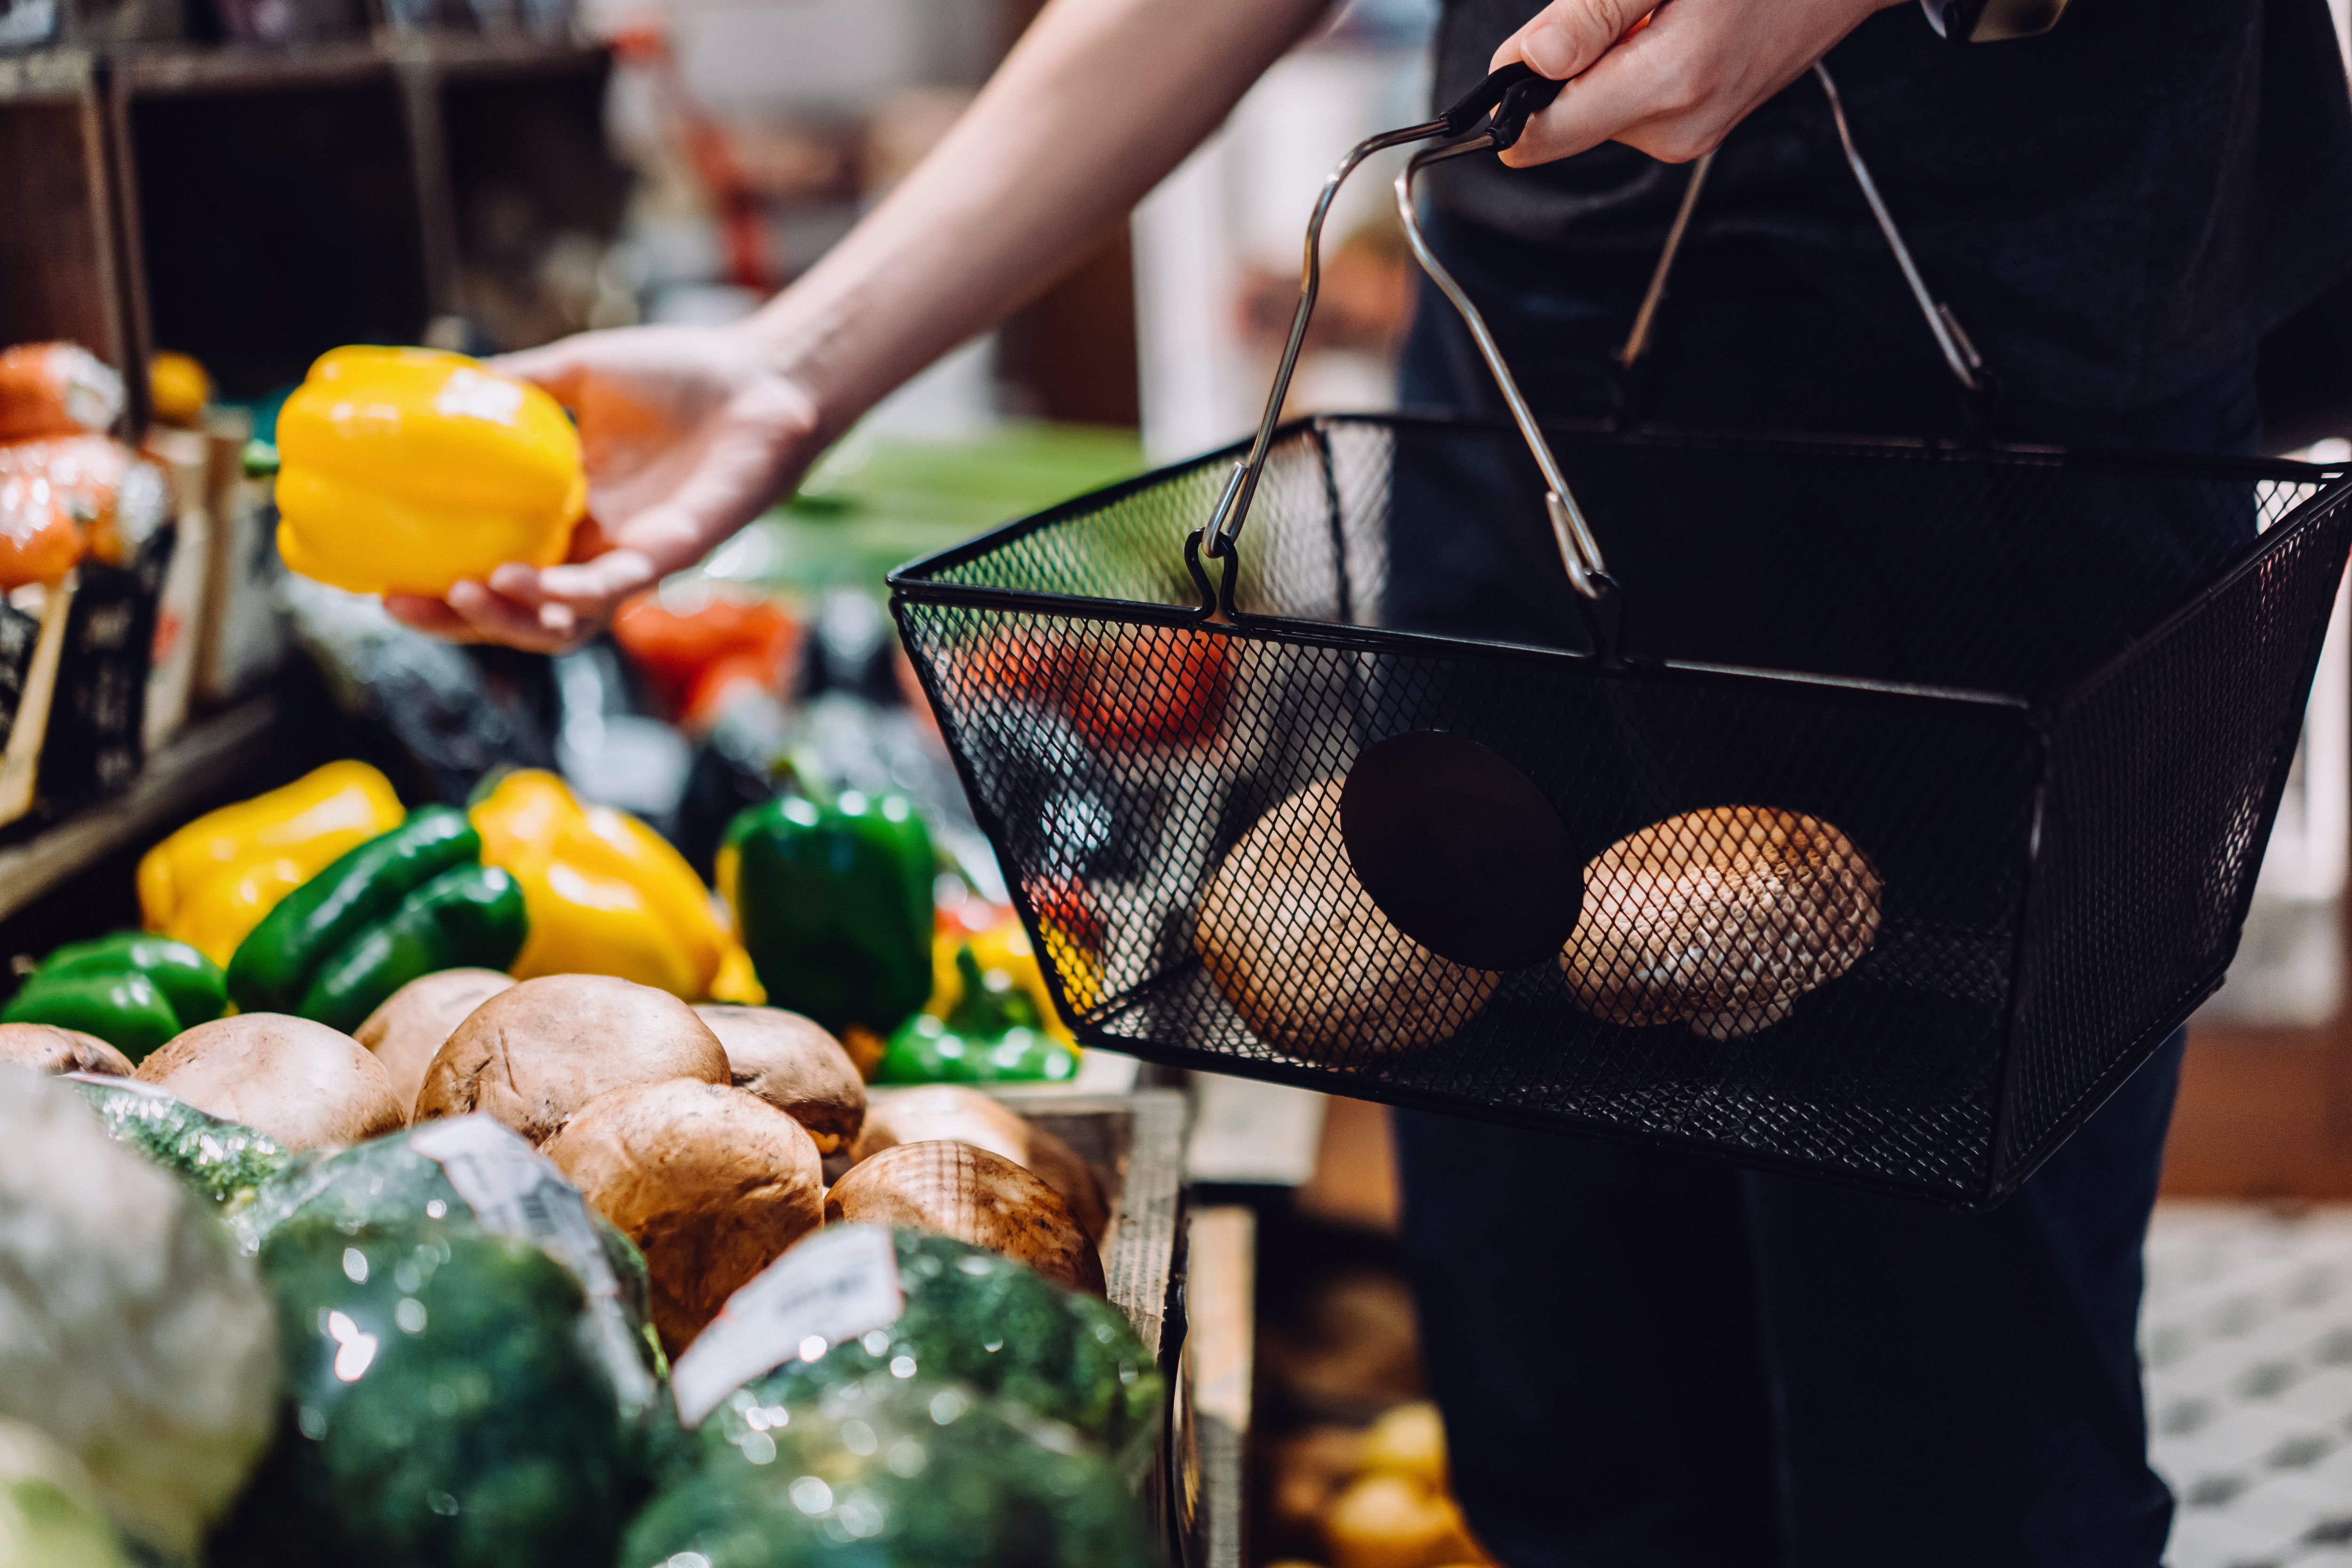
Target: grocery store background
[{"x": 251, "y": 182}]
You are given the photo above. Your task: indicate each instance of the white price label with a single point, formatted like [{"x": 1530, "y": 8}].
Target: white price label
[
  {"x": 836, "y": 1284},
  {"x": 514, "y": 1190}
]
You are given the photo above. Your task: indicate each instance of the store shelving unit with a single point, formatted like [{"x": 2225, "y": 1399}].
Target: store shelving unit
[
  {"x": 144, "y": 191},
  {"x": 180, "y": 779},
  {"x": 189, "y": 773}
]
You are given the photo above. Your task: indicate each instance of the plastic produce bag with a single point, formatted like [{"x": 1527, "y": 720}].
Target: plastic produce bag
[
  {"x": 225, "y": 1160},
  {"x": 131, "y": 1329},
  {"x": 899, "y": 1472},
  {"x": 442, "y": 1408},
  {"x": 50, "y": 1516},
  {"x": 469, "y": 1175},
  {"x": 964, "y": 1314}
]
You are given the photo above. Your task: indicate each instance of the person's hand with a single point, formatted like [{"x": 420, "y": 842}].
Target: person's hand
[
  {"x": 689, "y": 433},
  {"x": 1675, "y": 88}
]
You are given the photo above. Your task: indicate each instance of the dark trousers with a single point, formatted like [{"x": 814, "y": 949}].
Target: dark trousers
[{"x": 1645, "y": 1360}]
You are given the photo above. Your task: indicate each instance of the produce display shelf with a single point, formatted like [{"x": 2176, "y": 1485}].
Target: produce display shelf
[{"x": 206, "y": 758}]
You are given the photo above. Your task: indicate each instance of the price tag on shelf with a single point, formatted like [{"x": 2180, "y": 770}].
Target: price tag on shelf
[{"x": 836, "y": 1284}]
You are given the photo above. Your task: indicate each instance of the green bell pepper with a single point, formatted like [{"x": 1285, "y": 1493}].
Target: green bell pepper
[
  {"x": 989, "y": 1036},
  {"x": 133, "y": 990},
  {"x": 471, "y": 917},
  {"x": 189, "y": 981},
  {"x": 834, "y": 903},
  {"x": 125, "y": 1009},
  {"x": 403, "y": 904},
  {"x": 272, "y": 969}
]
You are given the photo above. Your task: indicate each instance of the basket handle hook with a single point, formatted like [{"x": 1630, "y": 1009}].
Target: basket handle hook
[{"x": 1507, "y": 99}]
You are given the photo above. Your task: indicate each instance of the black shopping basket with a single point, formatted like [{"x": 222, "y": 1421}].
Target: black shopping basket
[{"x": 1930, "y": 809}]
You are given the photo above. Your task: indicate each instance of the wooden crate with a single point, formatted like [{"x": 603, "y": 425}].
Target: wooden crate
[
  {"x": 1208, "y": 1434},
  {"x": 1134, "y": 1143}
]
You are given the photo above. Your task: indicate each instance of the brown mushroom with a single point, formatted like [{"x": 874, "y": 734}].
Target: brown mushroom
[
  {"x": 407, "y": 1031},
  {"x": 711, "y": 1183},
  {"x": 47, "y": 1048},
  {"x": 935, "y": 1111},
  {"x": 306, "y": 1085},
  {"x": 537, "y": 1052},
  {"x": 1305, "y": 955},
  {"x": 795, "y": 1066},
  {"x": 1721, "y": 919},
  {"x": 954, "y": 1189}
]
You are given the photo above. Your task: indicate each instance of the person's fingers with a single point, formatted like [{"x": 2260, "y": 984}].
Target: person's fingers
[
  {"x": 428, "y": 616},
  {"x": 1567, "y": 36},
  {"x": 585, "y": 589},
  {"x": 493, "y": 617},
  {"x": 1655, "y": 91}
]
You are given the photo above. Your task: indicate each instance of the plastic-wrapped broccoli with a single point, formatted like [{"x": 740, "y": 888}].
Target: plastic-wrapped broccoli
[
  {"x": 132, "y": 1331},
  {"x": 965, "y": 1314},
  {"x": 895, "y": 1473},
  {"x": 225, "y": 1160},
  {"x": 475, "y": 1176},
  {"x": 50, "y": 1516},
  {"x": 442, "y": 1408}
]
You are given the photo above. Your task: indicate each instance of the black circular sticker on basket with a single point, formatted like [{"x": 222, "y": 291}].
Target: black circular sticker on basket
[{"x": 1461, "y": 850}]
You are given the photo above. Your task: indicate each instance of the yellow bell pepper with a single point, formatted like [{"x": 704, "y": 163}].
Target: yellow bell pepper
[
  {"x": 1003, "y": 948},
  {"x": 737, "y": 981},
  {"x": 409, "y": 470},
  {"x": 606, "y": 894},
  {"x": 212, "y": 881}
]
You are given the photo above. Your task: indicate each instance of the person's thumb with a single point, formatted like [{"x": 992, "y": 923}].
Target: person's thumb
[
  {"x": 1567, "y": 35},
  {"x": 560, "y": 367}
]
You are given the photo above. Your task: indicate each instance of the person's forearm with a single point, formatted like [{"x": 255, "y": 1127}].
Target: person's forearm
[{"x": 1100, "y": 99}]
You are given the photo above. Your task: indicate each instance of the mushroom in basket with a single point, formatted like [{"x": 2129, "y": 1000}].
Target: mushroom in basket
[{"x": 1721, "y": 919}]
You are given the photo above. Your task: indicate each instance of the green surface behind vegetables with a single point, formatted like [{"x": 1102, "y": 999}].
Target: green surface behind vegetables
[
  {"x": 896, "y": 1473},
  {"x": 877, "y": 502},
  {"x": 226, "y": 1160},
  {"x": 441, "y": 1409}
]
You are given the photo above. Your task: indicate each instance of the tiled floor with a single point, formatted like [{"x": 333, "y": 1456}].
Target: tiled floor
[{"x": 2248, "y": 1340}]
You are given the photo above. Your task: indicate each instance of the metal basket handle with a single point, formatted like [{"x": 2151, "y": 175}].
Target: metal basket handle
[
  {"x": 1961, "y": 356},
  {"x": 1508, "y": 97}
]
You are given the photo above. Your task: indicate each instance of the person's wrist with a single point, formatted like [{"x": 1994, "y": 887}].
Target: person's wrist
[{"x": 805, "y": 347}]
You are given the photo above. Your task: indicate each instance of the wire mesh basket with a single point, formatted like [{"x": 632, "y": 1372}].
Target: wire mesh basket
[{"x": 1873, "y": 816}]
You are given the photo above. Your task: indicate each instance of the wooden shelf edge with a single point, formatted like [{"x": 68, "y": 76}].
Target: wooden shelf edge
[
  {"x": 178, "y": 69},
  {"x": 179, "y": 777},
  {"x": 49, "y": 76}
]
